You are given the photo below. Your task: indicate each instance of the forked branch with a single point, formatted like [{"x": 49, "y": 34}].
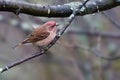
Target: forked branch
[{"x": 42, "y": 51}]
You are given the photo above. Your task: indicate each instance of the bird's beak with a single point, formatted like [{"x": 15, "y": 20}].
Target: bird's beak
[{"x": 57, "y": 24}]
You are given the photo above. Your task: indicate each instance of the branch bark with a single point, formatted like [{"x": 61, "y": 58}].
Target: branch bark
[{"x": 64, "y": 10}]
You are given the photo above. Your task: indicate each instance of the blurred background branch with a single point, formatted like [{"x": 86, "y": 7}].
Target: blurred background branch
[{"x": 95, "y": 33}]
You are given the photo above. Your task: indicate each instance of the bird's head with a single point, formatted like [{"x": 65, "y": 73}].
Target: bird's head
[{"x": 51, "y": 25}]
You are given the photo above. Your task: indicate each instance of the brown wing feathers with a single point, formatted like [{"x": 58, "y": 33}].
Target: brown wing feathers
[{"x": 34, "y": 37}]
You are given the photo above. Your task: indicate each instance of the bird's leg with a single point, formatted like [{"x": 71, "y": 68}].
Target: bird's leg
[{"x": 40, "y": 47}]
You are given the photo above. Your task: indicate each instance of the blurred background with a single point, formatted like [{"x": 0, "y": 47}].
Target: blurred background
[{"x": 72, "y": 59}]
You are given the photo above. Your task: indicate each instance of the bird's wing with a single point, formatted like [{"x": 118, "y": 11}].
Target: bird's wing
[
  {"x": 42, "y": 35},
  {"x": 34, "y": 37}
]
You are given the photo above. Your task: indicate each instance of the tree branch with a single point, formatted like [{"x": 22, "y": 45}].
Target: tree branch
[{"x": 65, "y": 10}]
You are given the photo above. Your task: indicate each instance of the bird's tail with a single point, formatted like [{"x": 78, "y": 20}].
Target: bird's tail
[{"x": 18, "y": 45}]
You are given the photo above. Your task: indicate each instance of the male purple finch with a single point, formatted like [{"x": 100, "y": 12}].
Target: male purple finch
[{"x": 42, "y": 35}]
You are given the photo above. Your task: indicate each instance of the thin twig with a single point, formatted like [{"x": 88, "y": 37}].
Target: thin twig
[
  {"x": 70, "y": 19},
  {"x": 20, "y": 61}
]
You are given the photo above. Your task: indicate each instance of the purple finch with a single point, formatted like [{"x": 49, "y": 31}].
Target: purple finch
[{"x": 42, "y": 35}]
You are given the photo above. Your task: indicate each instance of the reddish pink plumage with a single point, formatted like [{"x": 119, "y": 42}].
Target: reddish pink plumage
[{"x": 42, "y": 35}]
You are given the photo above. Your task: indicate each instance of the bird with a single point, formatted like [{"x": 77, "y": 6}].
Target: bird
[{"x": 42, "y": 35}]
